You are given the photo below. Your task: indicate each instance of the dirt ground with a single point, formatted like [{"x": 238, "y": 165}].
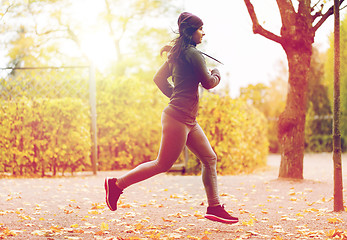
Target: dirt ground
[{"x": 171, "y": 206}]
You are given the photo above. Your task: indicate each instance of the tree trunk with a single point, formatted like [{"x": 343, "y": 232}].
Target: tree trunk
[
  {"x": 298, "y": 39},
  {"x": 292, "y": 121},
  {"x": 297, "y": 36},
  {"x": 338, "y": 183}
]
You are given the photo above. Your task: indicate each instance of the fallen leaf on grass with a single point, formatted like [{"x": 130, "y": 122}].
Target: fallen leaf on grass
[
  {"x": 192, "y": 237},
  {"x": 96, "y": 206},
  {"x": 198, "y": 215},
  {"x": 337, "y": 234},
  {"x": 335, "y": 220},
  {"x": 43, "y": 232},
  {"x": 286, "y": 218},
  {"x": 250, "y": 222},
  {"x": 265, "y": 211},
  {"x": 174, "y": 236},
  {"x": 7, "y": 232},
  {"x": 104, "y": 226},
  {"x": 276, "y": 238},
  {"x": 95, "y": 212},
  {"x": 56, "y": 229},
  {"x": 181, "y": 230},
  {"x": 138, "y": 226},
  {"x": 168, "y": 220}
]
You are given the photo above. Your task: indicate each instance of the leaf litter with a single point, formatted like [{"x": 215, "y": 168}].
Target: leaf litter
[{"x": 169, "y": 207}]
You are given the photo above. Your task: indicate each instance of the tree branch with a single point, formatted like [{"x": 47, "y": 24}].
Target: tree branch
[
  {"x": 325, "y": 16},
  {"x": 315, "y": 5},
  {"x": 287, "y": 12},
  {"x": 257, "y": 28},
  {"x": 6, "y": 11}
]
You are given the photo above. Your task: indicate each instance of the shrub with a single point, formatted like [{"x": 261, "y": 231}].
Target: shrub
[
  {"x": 129, "y": 127},
  {"x": 44, "y": 135},
  {"x": 129, "y": 122},
  {"x": 237, "y": 133}
]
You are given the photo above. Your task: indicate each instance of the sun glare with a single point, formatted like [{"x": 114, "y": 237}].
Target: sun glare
[
  {"x": 95, "y": 41},
  {"x": 99, "y": 48}
]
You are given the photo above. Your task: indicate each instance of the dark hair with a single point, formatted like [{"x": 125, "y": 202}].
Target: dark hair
[
  {"x": 179, "y": 45},
  {"x": 187, "y": 23}
]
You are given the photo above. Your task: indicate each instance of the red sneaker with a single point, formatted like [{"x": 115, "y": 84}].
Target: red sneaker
[
  {"x": 219, "y": 214},
  {"x": 112, "y": 193}
]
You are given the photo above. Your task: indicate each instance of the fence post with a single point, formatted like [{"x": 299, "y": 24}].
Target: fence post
[
  {"x": 338, "y": 195},
  {"x": 92, "y": 95}
]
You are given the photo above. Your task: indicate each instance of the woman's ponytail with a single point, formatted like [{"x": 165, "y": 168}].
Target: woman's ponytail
[
  {"x": 166, "y": 48},
  {"x": 188, "y": 23}
]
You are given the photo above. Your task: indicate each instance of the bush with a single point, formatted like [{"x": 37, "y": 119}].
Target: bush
[
  {"x": 129, "y": 122},
  {"x": 54, "y": 134},
  {"x": 237, "y": 133},
  {"x": 44, "y": 135},
  {"x": 129, "y": 127}
]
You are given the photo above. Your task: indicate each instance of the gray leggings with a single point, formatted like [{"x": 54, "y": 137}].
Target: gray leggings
[{"x": 175, "y": 135}]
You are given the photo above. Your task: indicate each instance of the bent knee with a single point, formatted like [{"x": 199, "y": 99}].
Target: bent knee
[
  {"x": 161, "y": 168},
  {"x": 210, "y": 160}
]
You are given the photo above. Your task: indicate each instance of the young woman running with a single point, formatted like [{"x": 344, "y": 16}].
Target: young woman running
[{"x": 187, "y": 67}]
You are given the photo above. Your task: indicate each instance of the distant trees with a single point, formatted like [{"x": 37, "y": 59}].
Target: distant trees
[
  {"x": 270, "y": 99},
  {"x": 299, "y": 25},
  {"x": 35, "y": 33},
  {"x": 329, "y": 76}
]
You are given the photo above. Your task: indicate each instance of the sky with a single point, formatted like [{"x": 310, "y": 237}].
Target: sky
[{"x": 248, "y": 58}]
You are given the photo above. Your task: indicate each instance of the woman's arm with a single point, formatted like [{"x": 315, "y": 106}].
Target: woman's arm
[
  {"x": 207, "y": 80},
  {"x": 161, "y": 79}
]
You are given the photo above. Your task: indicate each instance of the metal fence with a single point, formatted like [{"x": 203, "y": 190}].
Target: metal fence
[{"x": 53, "y": 82}]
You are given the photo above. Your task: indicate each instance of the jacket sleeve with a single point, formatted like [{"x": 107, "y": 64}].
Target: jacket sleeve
[
  {"x": 161, "y": 79},
  {"x": 208, "y": 80}
]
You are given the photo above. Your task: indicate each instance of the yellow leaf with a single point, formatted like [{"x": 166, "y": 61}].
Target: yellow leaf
[
  {"x": 93, "y": 212},
  {"x": 181, "y": 229},
  {"x": 139, "y": 226},
  {"x": 264, "y": 211},
  {"x": 74, "y": 225},
  {"x": 334, "y": 220},
  {"x": 96, "y": 206},
  {"x": 104, "y": 226},
  {"x": 99, "y": 233},
  {"x": 8, "y": 232},
  {"x": 248, "y": 223}
]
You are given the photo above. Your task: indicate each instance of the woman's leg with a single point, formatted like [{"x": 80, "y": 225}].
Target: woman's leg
[
  {"x": 198, "y": 143},
  {"x": 174, "y": 137}
]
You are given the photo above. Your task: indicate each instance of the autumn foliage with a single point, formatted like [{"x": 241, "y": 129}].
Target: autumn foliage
[
  {"x": 46, "y": 136},
  {"x": 129, "y": 127},
  {"x": 237, "y": 132}
]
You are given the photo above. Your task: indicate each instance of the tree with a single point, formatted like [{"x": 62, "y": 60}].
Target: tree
[
  {"x": 35, "y": 33},
  {"x": 135, "y": 26},
  {"x": 299, "y": 25},
  {"x": 329, "y": 76},
  {"x": 318, "y": 116},
  {"x": 270, "y": 100}
]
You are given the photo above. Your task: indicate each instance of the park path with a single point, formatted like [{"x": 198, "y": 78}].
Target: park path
[{"x": 172, "y": 206}]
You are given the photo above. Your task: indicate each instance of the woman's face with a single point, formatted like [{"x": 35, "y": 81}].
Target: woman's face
[{"x": 197, "y": 35}]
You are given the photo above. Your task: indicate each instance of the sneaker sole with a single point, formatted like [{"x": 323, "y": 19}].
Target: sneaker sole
[
  {"x": 107, "y": 192},
  {"x": 218, "y": 219}
]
